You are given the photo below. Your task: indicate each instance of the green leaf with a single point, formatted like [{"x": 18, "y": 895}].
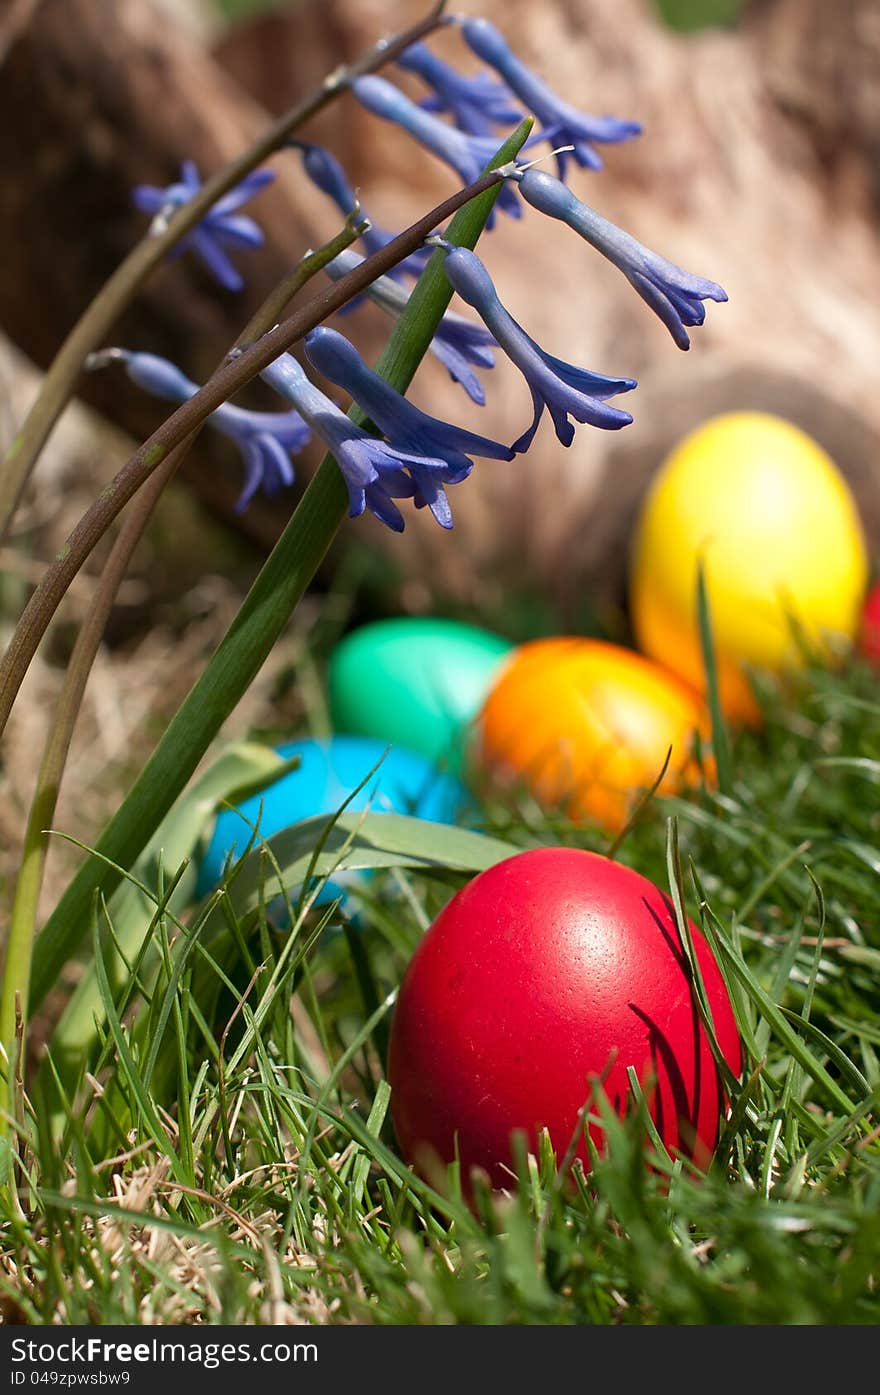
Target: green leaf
[
  {"x": 859, "y": 765},
  {"x": 779, "y": 1023},
  {"x": 128, "y": 1066},
  {"x": 720, "y": 737},
  {"x": 839, "y": 1059},
  {"x": 245, "y": 765},
  {"x": 689, "y": 15},
  {"x": 356, "y": 842}
]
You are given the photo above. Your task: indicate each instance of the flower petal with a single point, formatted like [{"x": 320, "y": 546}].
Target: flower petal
[
  {"x": 235, "y": 230},
  {"x": 218, "y": 228},
  {"x": 468, "y": 155},
  {"x": 216, "y": 261},
  {"x": 384, "y": 508},
  {"x": 457, "y": 342},
  {"x": 265, "y": 439},
  {"x": 148, "y": 198},
  {"x": 189, "y": 175},
  {"x": 477, "y": 103},
  {"x": 458, "y": 369},
  {"x": 243, "y": 192},
  {"x": 279, "y": 467},
  {"x": 561, "y": 391},
  {"x": 672, "y": 293},
  {"x": 157, "y": 376},
  {"x": 402, "y": 422},
  {"x": 561, "y": 122},
  {"x": 253, "y": 474}
]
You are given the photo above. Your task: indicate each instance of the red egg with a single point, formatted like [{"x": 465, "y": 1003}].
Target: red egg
[
  {"x": 542, "y": 972},
  {"x": 869, "y": 635}
]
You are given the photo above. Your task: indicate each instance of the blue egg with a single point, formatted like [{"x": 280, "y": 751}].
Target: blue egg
[{"x": 405, "y": 782}]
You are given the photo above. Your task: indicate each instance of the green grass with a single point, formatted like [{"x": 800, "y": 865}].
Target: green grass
[
  {"x": 689, "y": 15},
  {"x": 225, "y": 1154},
  {"x": 235, "y": 10}
]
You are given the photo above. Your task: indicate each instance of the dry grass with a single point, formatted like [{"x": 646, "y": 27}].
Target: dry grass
[
  {"x": 192, "y": 1266},
  {"x": 187, "y": 581}
]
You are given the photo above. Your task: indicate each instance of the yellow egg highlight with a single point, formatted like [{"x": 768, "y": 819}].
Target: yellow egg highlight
[
  {"x": 782, "y": 545},
  {"x": 586, "y": 726}
]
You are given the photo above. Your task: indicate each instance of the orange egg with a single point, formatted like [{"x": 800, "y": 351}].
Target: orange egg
[{"x": 586, "y": 726}]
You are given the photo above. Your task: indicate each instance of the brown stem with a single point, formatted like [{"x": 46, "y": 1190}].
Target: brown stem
[
  {"x": 43, "y": 805},
  {"x": 93, "y": 326},
  {"x": 232, "y": 376}
]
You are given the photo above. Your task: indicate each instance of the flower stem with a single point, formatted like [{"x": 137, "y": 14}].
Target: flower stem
[
  {"x": 259, "y": 623},
  {"x": 232, "y": 376},
  {"x": 17, "y": 968},
  {"x": 267, "y": 316},
  {"x": 60, "y": 381}
]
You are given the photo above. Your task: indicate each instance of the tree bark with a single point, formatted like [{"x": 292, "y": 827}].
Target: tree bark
[{"x": 757, "y": 167}]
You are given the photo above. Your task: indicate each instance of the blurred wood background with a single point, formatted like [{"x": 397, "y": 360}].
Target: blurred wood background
[{"x": 758, "y": 166}]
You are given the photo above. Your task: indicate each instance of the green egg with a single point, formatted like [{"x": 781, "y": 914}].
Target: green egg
[{"x": 414, "y": 682}]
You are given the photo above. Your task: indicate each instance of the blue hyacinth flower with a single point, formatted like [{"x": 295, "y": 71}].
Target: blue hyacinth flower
[
  {"x": 468, "y": 155},
  {"x": 476, "y": 102},
  {"x": 326, "y": 173},
  {"x": 458, "y": 342},
  {"x": 376, "y": 472},
  {"x": 560, "y": 387},
  {"x": 674, "y": 295},
  {"x": 222, "y": 227},
  {"x": 401, "y": 421},
  {"x": 561, "y": 123},
  {"x": 266, "y": 440}
]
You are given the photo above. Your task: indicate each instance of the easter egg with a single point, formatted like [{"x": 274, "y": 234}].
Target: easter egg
[
  {"x": 869, "y": 632},
  {"x": 414, "y": 681},
  {"x": 585, "y": 726},
  {"x": 781, "y": 542},
  {"x": 543, "y": 973},
  {"x": 403, "y": 782}
]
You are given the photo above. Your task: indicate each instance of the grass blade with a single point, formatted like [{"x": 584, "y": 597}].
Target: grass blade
[{"x": 720, "y": 735}]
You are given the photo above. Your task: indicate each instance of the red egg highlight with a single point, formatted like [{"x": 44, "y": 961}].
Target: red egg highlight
[
  {"x": 869, "y": 633},
  {"x": 534, "y": 977}
]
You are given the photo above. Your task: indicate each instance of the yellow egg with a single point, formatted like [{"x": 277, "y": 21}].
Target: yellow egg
[{"x": 783, "y": 550}]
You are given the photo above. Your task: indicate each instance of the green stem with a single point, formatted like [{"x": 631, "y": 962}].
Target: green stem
[
  {"x": 227, "y": 677},
  {"x": 16, "y": 979},
  {"x": 720, "y": 737},
  {"x": 259, "y": 623},
  {"x": 278, "y": 299},
  {"x": 19, "y": 947},
  {"x": 60, "y": 381},
  {"x": 232, "y": 376}
]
